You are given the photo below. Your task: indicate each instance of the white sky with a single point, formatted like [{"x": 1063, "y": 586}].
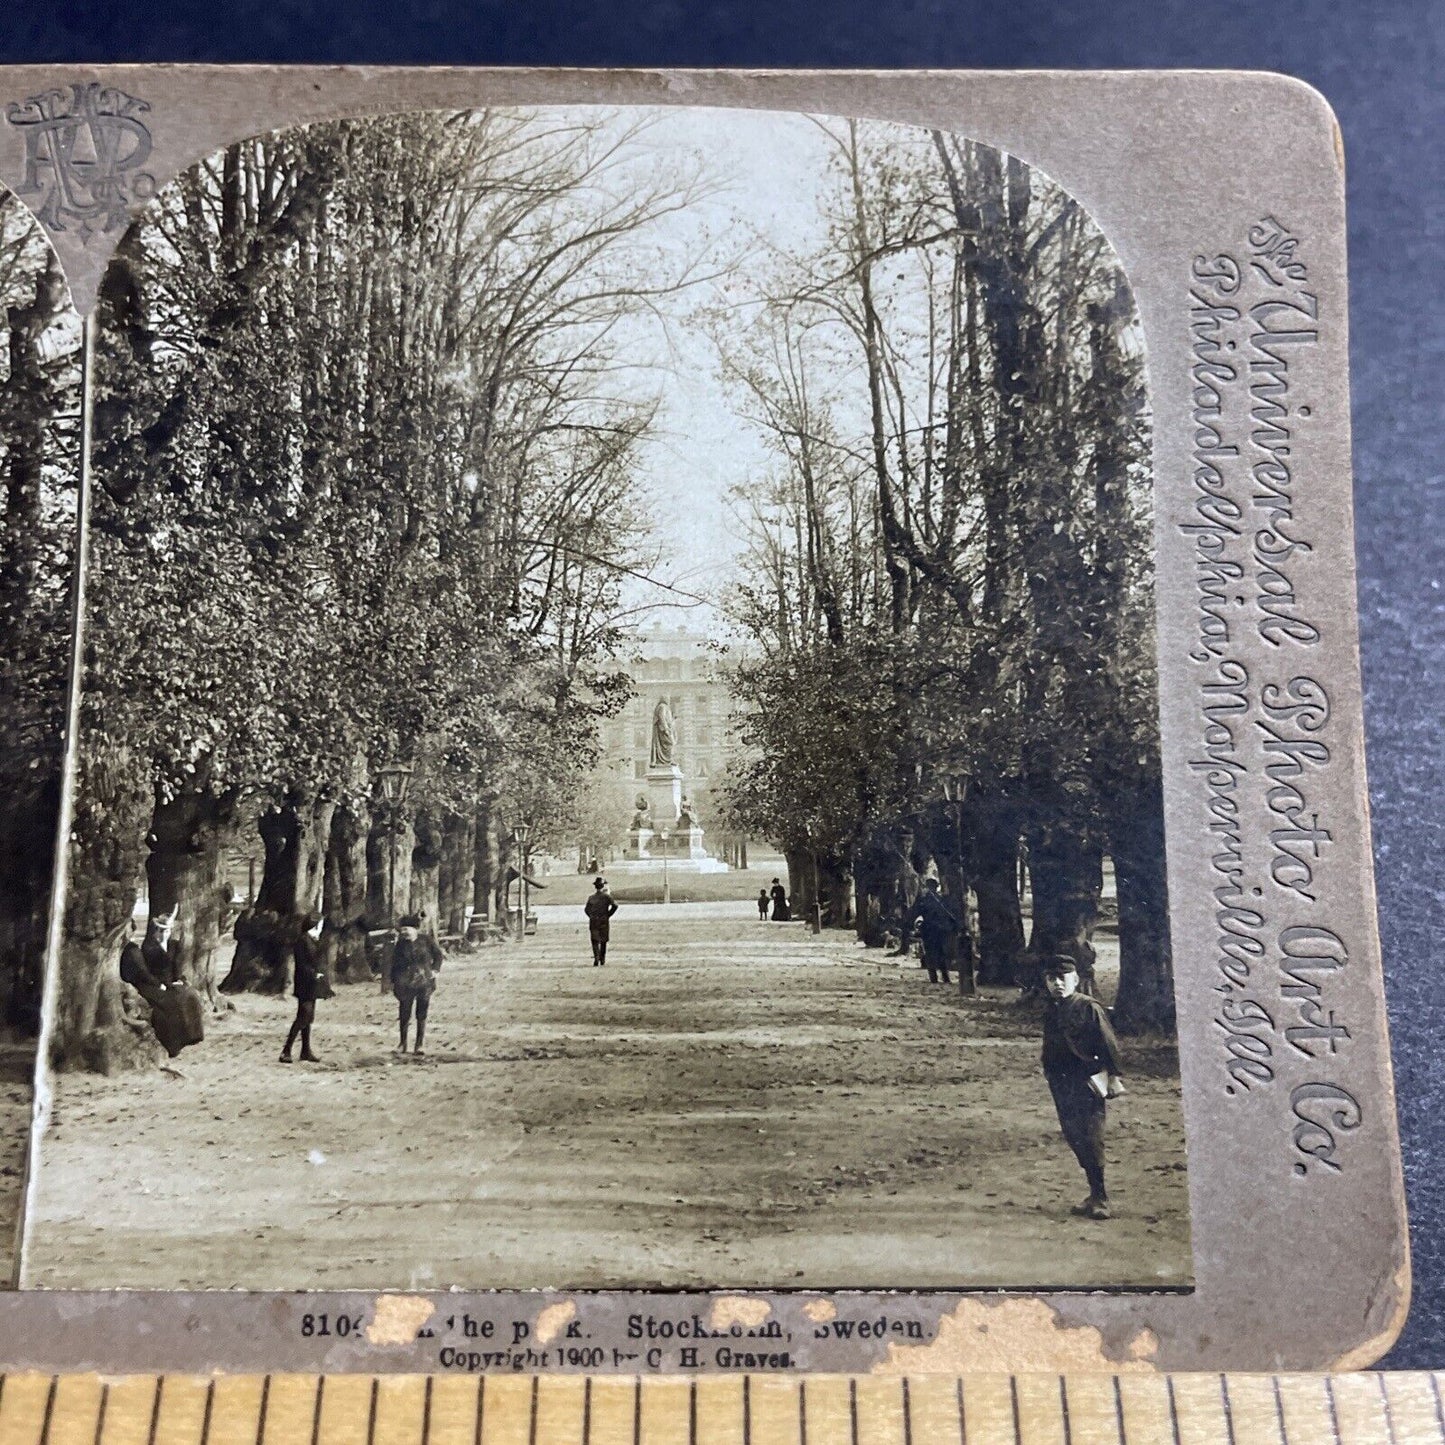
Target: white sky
[{"x": 766, "y": 172}]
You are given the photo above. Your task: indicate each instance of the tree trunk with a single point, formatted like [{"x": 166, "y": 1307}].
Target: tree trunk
[
  {"x": 484, "y": 865},
  {"x": 344, "y": 894},
  {"x": 389, "y": 848},
  {"x": 295, "y": 836},
  {"x": 184, "y": 876},
  {"x": 1145, "y": 1000},
  {"x": 995, "y": 837},
  {"x": 26, "y": 871},
  {"x": 801, "y": 893},
  {"x": 454, "y": 878},
  {"x": 101, "y": 1025},
  {"x": 426, "y": 856},
  {"x": 1067, "y": 870},
  {"x": 835, "y": 880}
]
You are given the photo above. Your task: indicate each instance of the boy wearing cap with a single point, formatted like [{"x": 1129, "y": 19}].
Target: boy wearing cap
[
  {"x": 1081, "y": 1064},
  {"x": 416, "y": 958},
  {"x": 599, "y": 909}
]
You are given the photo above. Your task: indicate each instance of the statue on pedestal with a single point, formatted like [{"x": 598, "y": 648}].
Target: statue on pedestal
[
  {"x": 642, "y": 818},
  {"x": 664, "y": 737}
]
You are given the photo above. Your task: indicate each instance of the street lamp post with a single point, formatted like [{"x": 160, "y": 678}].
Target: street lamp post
[
  {"x": 519, "y": 837},
  {"x": 395, "y": 780},
  {"x": 666, "y": 885}
]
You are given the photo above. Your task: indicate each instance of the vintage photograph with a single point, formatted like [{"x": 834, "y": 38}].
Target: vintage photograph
[
  {"x": 619, "y": 726},
  {"x": 40, "y": 345}
]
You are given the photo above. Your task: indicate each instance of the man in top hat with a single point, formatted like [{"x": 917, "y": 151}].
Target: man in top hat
[
  {"x": 1081, "y": 1064},
  {"x": 599, "y": 909}
]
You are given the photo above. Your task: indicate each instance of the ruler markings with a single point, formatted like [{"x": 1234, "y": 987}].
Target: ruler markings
[
  {"x": 988, "y": 1410},
  {"x": 316, "y": 1410},
  {"x": 1228, "y": 1406},
  {"x": 1334, "y": 1410},
  {"x": 877, "y": 1408},
  {"x": 826, "y": 1421},
  {"x": 182, "y": 1418},
  {"x": 73, "y": 1405},
  {"x": 769, "y": 1411},
  {"x": 1359, "y": 1408},
  {"x": 1253, "y": 1409},
  {"x": 1385, "y": 1405},
  {"x": 49, "y": 1411},
  {"x": 1038, "y": 1410},
  {"x": 155, "y": 1425},
  {"x": 1369, "y": 1408},
  {"x": 343, "y": 1410},
  {"x": 1413, "y": 1408},
  {"x": 720, "y": 1409},
  {"x": 1091, "y": 1409},
  {"x": 130, "y": 1404},
  {"x": 613, "y": 1410}
]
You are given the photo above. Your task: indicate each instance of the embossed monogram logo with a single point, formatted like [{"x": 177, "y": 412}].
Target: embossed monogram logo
[{"x": 85, "y": 150}]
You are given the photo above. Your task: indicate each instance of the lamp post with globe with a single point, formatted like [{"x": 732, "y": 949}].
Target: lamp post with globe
[{"x": 395, "y": 781}]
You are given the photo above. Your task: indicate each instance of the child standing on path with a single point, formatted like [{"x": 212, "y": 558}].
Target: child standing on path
[
  {"x": 1081, "y": 1065},
  {"x": 415, "y": 962},
  {"x": 305, "y": 985}
]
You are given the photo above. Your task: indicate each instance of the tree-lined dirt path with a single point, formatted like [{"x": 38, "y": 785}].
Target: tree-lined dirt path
[{"x": 727, "y": 1103}]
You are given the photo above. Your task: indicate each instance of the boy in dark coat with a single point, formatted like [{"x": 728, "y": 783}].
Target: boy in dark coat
[
  {"x": 1081, "y": 1065},
  {"x": 415, "y": 960},
  {"x": 305, "y": 985},
  {"x": 599, "y": 909}
]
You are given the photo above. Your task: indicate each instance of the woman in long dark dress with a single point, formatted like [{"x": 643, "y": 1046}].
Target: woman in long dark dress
[
  {"x": 780, "y": 903},
  {"x": 306, "y": 983}
]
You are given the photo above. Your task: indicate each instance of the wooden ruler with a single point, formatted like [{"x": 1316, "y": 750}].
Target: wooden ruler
[{"x": 1392, "y": 1409}]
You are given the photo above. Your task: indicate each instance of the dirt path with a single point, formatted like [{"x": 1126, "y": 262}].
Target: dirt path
[{"x": 727, "y": 1103}]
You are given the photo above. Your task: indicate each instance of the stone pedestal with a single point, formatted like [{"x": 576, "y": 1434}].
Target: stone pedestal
[
  {"x": 639, "y": 843},
  {"x": 664, "y": 792}
]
